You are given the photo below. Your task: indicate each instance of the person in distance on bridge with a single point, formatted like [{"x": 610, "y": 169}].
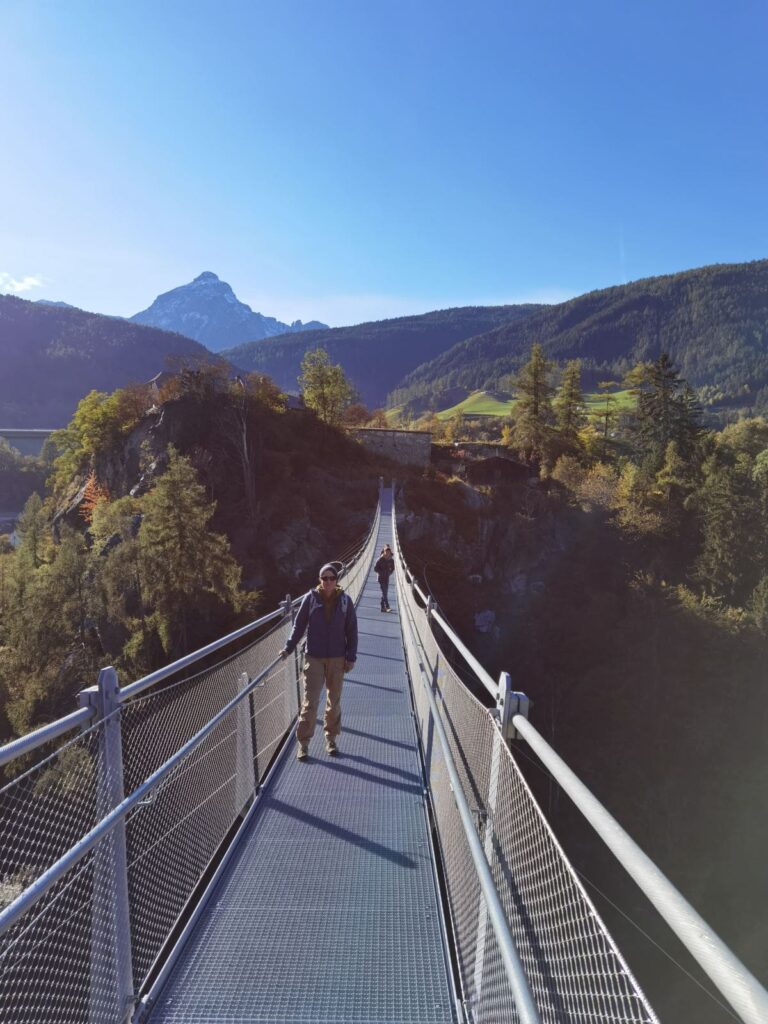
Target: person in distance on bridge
[
  {"x": 385, "y": 566},
  {"x": 328, "y": 617}
]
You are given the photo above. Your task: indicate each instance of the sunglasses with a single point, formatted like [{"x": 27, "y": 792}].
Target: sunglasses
[{"x": 327, "y": 579}]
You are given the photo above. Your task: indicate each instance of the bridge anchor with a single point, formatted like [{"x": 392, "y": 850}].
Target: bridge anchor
[{"x": 510, "y": 703}]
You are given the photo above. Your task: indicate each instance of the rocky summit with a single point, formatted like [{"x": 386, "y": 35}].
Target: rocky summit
[{"x": 208, "y": 310}]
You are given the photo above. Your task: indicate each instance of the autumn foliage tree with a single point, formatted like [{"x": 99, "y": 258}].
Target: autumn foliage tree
[
  {"x": 324, "y": 386},
  {"x": 93, "y": 493}
]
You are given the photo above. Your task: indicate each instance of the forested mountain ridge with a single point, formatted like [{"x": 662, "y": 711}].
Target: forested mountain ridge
[
  {"x": 375, "y": 355},
  {"x": 712, "y": 321},
  {"x": 53, "y": 355}
]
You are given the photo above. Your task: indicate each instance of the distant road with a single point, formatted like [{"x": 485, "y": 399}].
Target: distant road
[{"x": 27, "y": 440}]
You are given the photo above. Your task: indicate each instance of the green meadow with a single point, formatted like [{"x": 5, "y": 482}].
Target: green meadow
[{"x": 484, "y": 403}]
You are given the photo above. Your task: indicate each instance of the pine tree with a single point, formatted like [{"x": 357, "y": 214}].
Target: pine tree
[
  {"x": 675, "y": 481},
  {"x": 44, "y": 622},
  {"x": 607, "y": 415},
  {"x": 726, "y": 565},
  {"x": 667, "y": 410},
  {"x": 533, "y": 412},
  {"x": 188, "y": 573},
  {"x": 569, "y": 405},
  {"x": 760, "y": 481},
  {"x": 33, "y": 530}
]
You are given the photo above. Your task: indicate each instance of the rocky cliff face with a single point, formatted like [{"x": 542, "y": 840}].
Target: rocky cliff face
[
  {"x": 488, "y": 555},
  {"x": 313, "y": 491}
]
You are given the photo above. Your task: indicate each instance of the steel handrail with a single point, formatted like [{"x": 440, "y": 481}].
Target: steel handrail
[
  {"x": 739, "y": 986},
  {"x": 488, "y": 682},
  {"x": 483, "y": 677},
  {"x": 133, "y": 689},
  {"x": 43, "y": 883},
  {"x": 734, "y": 980},
  {"x": 80, "y": 718},
  {"x": 27, "y": 899},
  {"x": 46, "y": 733},
  {"x": 518, "y": 981}
]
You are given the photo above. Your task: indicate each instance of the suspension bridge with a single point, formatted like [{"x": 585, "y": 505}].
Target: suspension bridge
[{"x": 165, "y": 858}]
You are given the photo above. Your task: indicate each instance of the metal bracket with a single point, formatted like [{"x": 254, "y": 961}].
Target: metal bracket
[
  {"x": 481, "y": 818},
  {"x": 510, "y": 703}
]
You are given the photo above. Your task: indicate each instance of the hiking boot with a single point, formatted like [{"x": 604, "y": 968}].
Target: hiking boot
[
  {"x": 331, "y": 748},
  {"x": 302, "y": 752}
]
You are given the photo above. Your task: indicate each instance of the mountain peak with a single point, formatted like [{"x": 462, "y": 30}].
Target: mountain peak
[{"x": 208, "y": 310}]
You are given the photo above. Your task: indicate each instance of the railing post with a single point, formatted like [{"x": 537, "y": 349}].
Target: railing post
[
  {"x": 510, "y": 703},
  {"x": 246, "y": 751},
  {"x": 111, "y": 919},
  {"x": 290, "y": 613},
  {"x": 486, "y": 820},
  {"x": 431, "y": 672},
  {"x": 436, "y": 667}
]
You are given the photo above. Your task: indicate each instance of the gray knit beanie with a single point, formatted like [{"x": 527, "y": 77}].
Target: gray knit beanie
[{"x": 332, "y": 567}]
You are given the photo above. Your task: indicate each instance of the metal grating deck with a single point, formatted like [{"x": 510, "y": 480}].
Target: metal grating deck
[{"x": 328, "y": 912}]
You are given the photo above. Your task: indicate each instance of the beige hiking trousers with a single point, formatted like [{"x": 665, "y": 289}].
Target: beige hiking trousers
[{"x": 319, "y": 672}]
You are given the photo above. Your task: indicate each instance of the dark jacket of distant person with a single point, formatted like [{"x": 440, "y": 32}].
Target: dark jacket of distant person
[{"x": 384, "y": 567}]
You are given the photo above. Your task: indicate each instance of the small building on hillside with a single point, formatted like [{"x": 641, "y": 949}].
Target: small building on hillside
[{"x": 410, "y": 447}]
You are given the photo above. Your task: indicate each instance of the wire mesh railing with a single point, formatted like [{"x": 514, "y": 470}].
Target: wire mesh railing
[
  {"x": 573, "y": 969},
  {"x": 43, "y": 813},
  {"x": 172, "y": 838},
  {"x": 571, "y": 964},
  {"x": 104, "y": 842}
]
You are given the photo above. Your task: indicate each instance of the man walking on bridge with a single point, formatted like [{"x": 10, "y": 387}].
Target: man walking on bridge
[
  {"x": 328, "y": 617},
  {"x": 385, "y": 566}
]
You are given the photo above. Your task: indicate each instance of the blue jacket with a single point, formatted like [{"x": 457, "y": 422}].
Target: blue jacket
[{"x": 334, "y": 639}]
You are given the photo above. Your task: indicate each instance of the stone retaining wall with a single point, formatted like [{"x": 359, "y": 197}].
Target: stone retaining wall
[{"x": 411, "y": 447}]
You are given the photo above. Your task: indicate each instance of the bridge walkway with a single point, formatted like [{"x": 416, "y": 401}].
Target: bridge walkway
[{"x": 329, "y": 912}]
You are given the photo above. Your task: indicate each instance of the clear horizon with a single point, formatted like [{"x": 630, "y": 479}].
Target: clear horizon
[{"x": 349, "y": 164}]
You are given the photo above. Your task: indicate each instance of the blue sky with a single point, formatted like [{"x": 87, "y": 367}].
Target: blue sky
[{"x": 349, "y": 160}]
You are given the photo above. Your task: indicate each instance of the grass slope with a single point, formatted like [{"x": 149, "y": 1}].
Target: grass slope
[{"x": 484, "y": 403}]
